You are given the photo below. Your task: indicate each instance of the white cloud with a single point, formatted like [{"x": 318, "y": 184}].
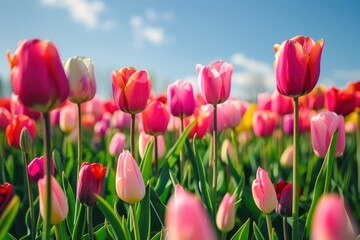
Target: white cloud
[
  {"x": 253, "y": 78},
  {"x": 147, "y": 28},
  {"x": 86, "y": 12}
]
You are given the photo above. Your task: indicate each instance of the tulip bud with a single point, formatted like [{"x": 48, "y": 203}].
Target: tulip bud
[
  {"x": 15, "y": 127},
  {"x": 6, "y": 194},
  {"x": 25, "y": 140},
  {"x": 225, "y": 217},
  {"x": 284, "y": 198},
  {"x": 59, "y": 203},
  {"x": 130, "y": 185},
  {"x": 264, "y": 123},
  {"x": 186, "y": 218},
  {"x": 181, "y": 98},
  {"x": 36, "y": 169},
  {"x": 117, "y": 144},
  {"x": 155, "y": 118},
  {"x": 286, "y": 159},
  {"x": 263, "y": 192},
  {"x": 90, "y": 182}
]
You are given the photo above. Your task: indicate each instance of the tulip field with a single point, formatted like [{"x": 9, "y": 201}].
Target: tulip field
[{"x": 180, "y": 164}]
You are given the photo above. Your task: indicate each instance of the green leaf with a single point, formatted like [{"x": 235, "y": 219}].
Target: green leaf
[
  {"x": 63, "y": 232},
  {"x": 144, "y": 215},
  {"x": 243, "y": 232},
  {"x": 145, "y": 165},
  {"x": 111, "y": 216},
  {"x": 79, "y": 224},
  {"x": 174, "y": 152},
  {"x": 9, "y": 237},
  {"x": 69, "y": 157},
  {"x": 57, "y": 159},
  {"x": 322, "y": 181},
  {"x": 258, "y": 235},
  {"x": 157, "y": 207},
  {"x": 8, "y": 216},
  {"x": 157, "y": 236},
  {"x": 70, "y": 218}
]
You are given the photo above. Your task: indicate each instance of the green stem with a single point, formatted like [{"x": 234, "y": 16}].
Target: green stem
[
  {"x": 156, "y": 170},
  {"x": 285, "y": 228},
  {"x": 47, "y": 142},
  {"x": 311, "y": 164},
  {"x": 57, "y": 232},
  {"x": 265, "y": 159},
  {"x": 358, "y": 150},
  {"x": 214, "y": 160},
  {"x": 223, "y": 235},
  {"x": 136, "y": 227},
  {"x": 181, "y": 168},
  {"x": 235, "y": 140},
  {"x": 79, "y": 140},
  {"x": 89, "y": 223},
  {"x": 269, "y": 226},
  {"x": 132, "y": 135},
  {"x": 30, "y": 195},
  {"x": 295, "y": 193}
]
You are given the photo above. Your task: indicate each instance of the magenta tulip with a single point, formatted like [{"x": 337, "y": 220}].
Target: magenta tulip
[
  {"x": 264, "y": 123},
  {"x": 37, "y": 75},
  {"x": 90, "y": 182},
  {"x": 215, "y": 81},
  {"x": 323, "y": 126},
  {"x": 59, "y": 203},
  {"x": 297, "y": 65},
  {"x": 155, "y": 118},
  {"x": 225, "y": 217},
  {"x": 281, "y": 104},
  {"x": 181, "y": 98},
  {"x": 131, "y": 89},
  {"x": 186, "y": 218},
  {"x": 263, "y": 192},
  {"x": 129, "y": 184},
  {"x": 36, "y": 169}
]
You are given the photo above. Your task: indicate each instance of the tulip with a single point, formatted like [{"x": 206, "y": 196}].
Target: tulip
[
  {"x": 323, "y": 126},
  {"x": 117, "y": 144},
  {"x": 37, "y": 75},
  {"x": 131, "y": 89},
  {"x": 18, "y": 108},
  {"x": 284, "y": 198},
  {"x": 15, "y": 127},
  {"x": 144, "y": 140},
  {"x": 130, "y": 185},
  {"x": 287, "y": 157},
  {"x": 6, "y": 194},
  {"x": 297, "y": 65},
  {"x": 68, "y": 120},
  {"x": 180, "y": 98},
  {"x": 80, "y": 72},
  {"x": 227, "y": 151},
  {"x": 186, "y": 218},
  {"x": 225, "y": 217},
  {"x": 215, "y": 81},
  {"x": 55, "y": 117},
  {"x": 331, "y": 221},
  {"x": 263, "y": 192},
  {"x": 341, "y": 102},
  {"x": 92, "y": 111},
  {"x": 316, "y": 98},
  {"x": 230, "y": 112},
  {"x": 202, "y": 123},
  {"x": 120, "y": 119},
  {"x": 90, "y": 182},
  {"x": 264, "y": 123},
  {"x": 110, "y": 106},
  {"x": 5, "y": 118},
  {"x": 155, "y": 118},
  {"x": 264, "y": 101},
  {"x": 59, "y": 203},
  {"x": 36, "y": 168},
  {"x": 288, "y": 124},
  {"x": 101, "y": 128},
  {"x": 281, "y": 104}
]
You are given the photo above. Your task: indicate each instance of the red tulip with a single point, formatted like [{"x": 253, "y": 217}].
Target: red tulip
[
  {"x": 155, "y": 118},
  {"x": 90, "y": 182},
  {"x": 5, "y": 118},
  {"x": 37, "y": 75},
  {"x": 215, "y": 81},
  {"x": 297, "y": 65},
  {"x": 340, "y": 101},
  {"x": 131, "y": 89},
  {"x": 181, "y": 99},
  {"x": 6, "y": 194},
  {"x": 15, "y": 127},
  {"x": 284, "y": 198}
]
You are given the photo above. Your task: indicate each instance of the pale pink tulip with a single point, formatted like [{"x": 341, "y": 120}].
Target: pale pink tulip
[
  {"x": 263, "y": 192},
  {"x": 117, "y": 144},
  {"x": 225, "y": 217}
]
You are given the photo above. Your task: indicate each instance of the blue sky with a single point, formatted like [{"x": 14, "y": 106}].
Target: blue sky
[{"x": 168, "y": 38}]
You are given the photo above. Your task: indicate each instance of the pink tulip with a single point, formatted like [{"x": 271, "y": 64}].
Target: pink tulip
[
  {"x": 144, "y": 140},
  {"x": 331, "y": 221},
  {"x": 281, "y": 104},
  {"x": 59, "y": 202},
  {"x": 5, "y": 118},
  {"x": 36, "y": 169},
  {"x": 37, "y": 75},
  {"x": 225, "y": 217},
  {"x": 230, "y": 113},
  {"x": 131, "y": 89},
  {"x": 264, "y": 101},
  {"x": 101, "y": 128},
  {"x": 155, "y": 118},
  {"x": 120, "y": 119},
  {"x": 215, "y": 81},
  {"x": 80, "y": 72},
  {"x": 264, "y": 123},
  {"x": 129, "y": 184},
  {"x": 117, "y": 144},
  {"x": 297, "y": 65},
  {"x": 186, "y": 218},
  {"x": 323, "y": 126},
  {"x": 55, "y": 117},
  {"x": 181, "y": 98},
  {"x": 288, "y": 124},
  {"x": 263, "y": 192},
  {"x": 90, "y": 182},
  {"x": 68, "y": 120}
]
